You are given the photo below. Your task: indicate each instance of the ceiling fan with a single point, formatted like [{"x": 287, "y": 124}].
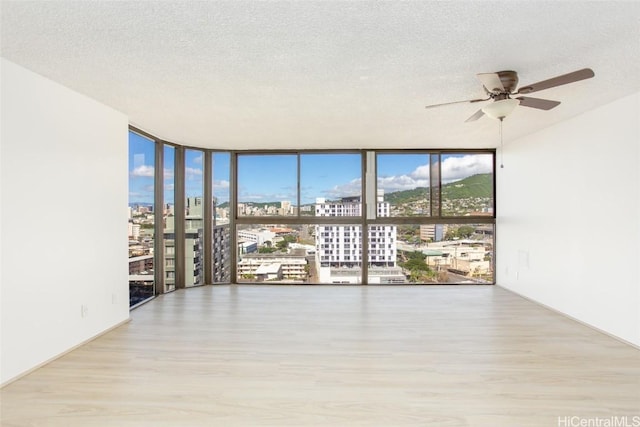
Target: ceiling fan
[{"x": 501, "y": 86}]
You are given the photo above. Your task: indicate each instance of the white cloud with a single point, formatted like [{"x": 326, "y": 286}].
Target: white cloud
[
  {"x": 401, "y": 182},
  {"x": 457, "y": 168},
  {"x": 198, "y": 160},
  {"x": 193, "y": 173},
  {"x": 142, "y": 171},
  {"x": 417, "y": 178},
  {"x": 352, "y": 188},
  {"x": 218, "y": 185},
  {"x": 452, "y": 169},
  {"x": 421, "y": 173},
  {"x": 168, "y": 173}
]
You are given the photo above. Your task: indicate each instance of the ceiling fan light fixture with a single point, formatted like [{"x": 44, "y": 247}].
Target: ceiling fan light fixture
[{"x": 500, "y": 109}]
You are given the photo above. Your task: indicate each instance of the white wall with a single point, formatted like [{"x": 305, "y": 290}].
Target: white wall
[
  {"x": 568, "y": 218},
  {"x": 63, "y": 194}
]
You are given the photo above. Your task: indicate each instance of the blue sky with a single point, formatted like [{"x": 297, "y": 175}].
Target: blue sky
[
  {"x": 272, "y": 178},
  {"x": 142, "y": 169},
  {"x": 263, "y": 178}
]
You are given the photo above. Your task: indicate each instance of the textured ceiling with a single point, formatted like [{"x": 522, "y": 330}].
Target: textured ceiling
[{"x": 254, "y": 75}]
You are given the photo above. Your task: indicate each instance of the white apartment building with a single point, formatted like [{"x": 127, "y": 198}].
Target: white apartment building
[
  {"x": 134, "y": 231},
  {"x": 338, "y": 247}
]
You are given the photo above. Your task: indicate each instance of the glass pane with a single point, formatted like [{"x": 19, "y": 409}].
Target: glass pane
[
  {"x": 328, "y": 177},
  {"x": 310, "y": 254},
  {"x": 442, "y": 253},
  {"x": 141, "y": 218},
  {"x": 467, "y": 184},
  {"x": 275, "y": 254},
  {"x": 220, "y": 254},
  {"x": 383, "y": 268},
  {"x": 267, "y": 185},
  {"x": 169, "y": 219},
  {"x": 193, "y": 223},
  {"x": 338, "y": 254},
  {"x": 403, "y": 182}
]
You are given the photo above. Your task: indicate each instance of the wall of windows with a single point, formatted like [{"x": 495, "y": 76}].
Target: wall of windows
[
  {"x": 313, "y": 217},
  {"x": 435, "y": 218},
  {"x": 307, "y": 209}
]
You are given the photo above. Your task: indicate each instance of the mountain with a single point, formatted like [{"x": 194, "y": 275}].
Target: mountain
[
  {"x": 475, "y": 186},
  {"x": 480, "y": 185},
  {"x": 406, "y": 196}
]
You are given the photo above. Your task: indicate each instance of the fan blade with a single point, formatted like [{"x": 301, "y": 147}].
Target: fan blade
[
  {"x": 491, "y": 82},
  {"x": 476, "y": 116},
  {"x": 585, "y": 73},
  {"x": 456, "y": 102},
  {"x": 541, "y": 104}
]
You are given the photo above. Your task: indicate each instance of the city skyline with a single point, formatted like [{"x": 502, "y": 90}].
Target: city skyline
[{"x": 273, "y": 177}]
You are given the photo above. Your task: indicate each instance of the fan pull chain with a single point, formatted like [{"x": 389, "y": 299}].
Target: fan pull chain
[{"x": 501, "y": 145}]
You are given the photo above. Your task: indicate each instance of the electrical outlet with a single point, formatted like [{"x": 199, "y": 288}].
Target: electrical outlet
[{"x": 84, "y": 311}]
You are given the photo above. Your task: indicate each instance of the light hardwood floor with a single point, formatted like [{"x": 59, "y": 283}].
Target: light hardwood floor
[{"x": 334, "y": 356}]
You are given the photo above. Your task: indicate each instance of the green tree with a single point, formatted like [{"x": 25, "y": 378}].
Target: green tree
[
  {"x": 284, "y": 243},
  {"x": 465, "y": 231},
  {"x": 418, "y": 269}
]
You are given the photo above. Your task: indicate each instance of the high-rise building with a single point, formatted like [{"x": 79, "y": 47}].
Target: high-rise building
[
  {"x": 135, "y": 231},
  {"x": 339, "y": 247},
  {"x": 194, "y": 244},
  {"x": 285, "y": 208},
  {"x": 220, "y": 255}
]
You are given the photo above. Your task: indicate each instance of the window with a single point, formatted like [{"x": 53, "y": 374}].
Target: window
[
  {"x": 442, "y": 253},
  {"x": 415, "y": 216},
  {"x": 267, "y": 185},
  {"x": 221, "y": 243},
  {"x": 193, "y": 219},
  {"x": 283, "y": 254},
  {"x": 322, "y": 194},
  {"x": 467, "y": 184},
  {"x": 416, "y": 193},
  {"x": 141, "y": 218},
  {"x": 403, "y": 183},
  {"x": 326, "y": 180}
]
